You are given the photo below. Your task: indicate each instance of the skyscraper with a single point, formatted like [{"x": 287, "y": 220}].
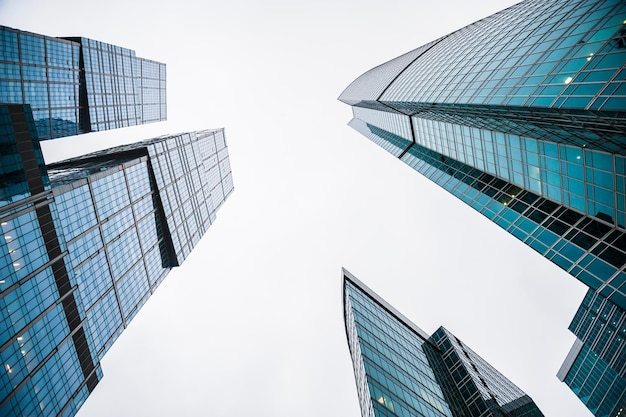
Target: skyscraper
[
  {"x": 522, "y": 115},
  {"x": 85, "y": 242},
  {"x": 401, "y": 371},
  {"x": 596, "y": 364},
  {"x": 79, "y": 85}
]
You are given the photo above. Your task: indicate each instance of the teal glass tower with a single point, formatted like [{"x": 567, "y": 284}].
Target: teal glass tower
[
  {"x": 522, "y": 116},
  {"x": 401, "y": 371},
  {"x": 596, "y": 364},
  {"x": 84, "y": 244},
  {"x": 79, "y": 85}
]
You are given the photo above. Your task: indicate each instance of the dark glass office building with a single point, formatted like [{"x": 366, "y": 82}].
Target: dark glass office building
[
  {"x": 522, "y": 115},
  {"x": 401, "y": 371},
  {"x": 84, "y": 244},
  {"x": 79, "y": 85}
]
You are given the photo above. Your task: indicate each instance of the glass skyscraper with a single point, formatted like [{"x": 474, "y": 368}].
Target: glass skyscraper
[
  {"x": 596, "y": 365},
  {"x": 84, "y": 244},
  {"x": 79, "y": 85},
  {"x": 401, "y": 371},
  {"x": 522, "y": 115}
]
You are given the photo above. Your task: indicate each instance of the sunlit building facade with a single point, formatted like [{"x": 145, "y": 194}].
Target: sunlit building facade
[
  {"x": 84, "y": 244},
  {"x": 521, "y": 115},
  {"x": 401, "y": 371},
  {"x": 79, "y": 85}
]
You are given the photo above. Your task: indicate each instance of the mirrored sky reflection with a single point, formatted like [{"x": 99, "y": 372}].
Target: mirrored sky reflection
[{"x": 251, "y": 324}]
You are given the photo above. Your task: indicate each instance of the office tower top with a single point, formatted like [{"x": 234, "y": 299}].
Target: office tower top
[
  {"x": 84, "y": 244},
  {"x": 79, "y": 85},
  {"x": 561, "y": 58},
  {"x": 400, "y": 370},
  {"x": 191, "y": 176},
  {"x": 522, "y": 115}
]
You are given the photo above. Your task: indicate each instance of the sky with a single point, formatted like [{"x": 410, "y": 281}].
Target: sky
[{"x": 252, "y": 323}]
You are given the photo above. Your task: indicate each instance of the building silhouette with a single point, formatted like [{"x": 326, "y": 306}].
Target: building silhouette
[
  {"x": 401, "y": 371},
  {"x": 84, "y": 244},
  {"x": 79, "y": 85},
  {"x": 522, "y": 116}
]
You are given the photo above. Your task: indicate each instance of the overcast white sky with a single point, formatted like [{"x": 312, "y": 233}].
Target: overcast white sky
[{"x": 251, "y": 324}]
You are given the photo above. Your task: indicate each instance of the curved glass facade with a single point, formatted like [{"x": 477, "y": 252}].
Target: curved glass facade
[{"x": 521, "y": 115}]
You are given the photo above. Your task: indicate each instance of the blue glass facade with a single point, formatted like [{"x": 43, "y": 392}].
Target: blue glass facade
[
  {"x": 595, "y": 368},
  {"x": 401, "y": 371},
  {"x": 78, "y": 85},
  {"x": 521, "y": 115},
  {"x": 46, "y": 366},
  {"x": 85, "y": 243}
]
